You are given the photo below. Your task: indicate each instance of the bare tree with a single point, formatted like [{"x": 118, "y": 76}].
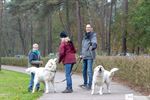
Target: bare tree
[
  {"x": 108, "y": 43},
  {"x": 20, "y": 31},
  {"x": 101, "y": 11},
  {"x": 50, "y": 33},
  {"x": 88, "y": 5},
  {"x": 1, "y": 14},
  {"x": 79, "y": 23},
  {"x": 31, "y": 32},
  {"x": 68, "y": 18},
  {"x": 124, "y": 25}
]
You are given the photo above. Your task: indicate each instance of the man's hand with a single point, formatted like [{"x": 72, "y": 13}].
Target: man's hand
[
  {"x": 81, "y": 57},
  {"x": 58, "y": 61},
  {"x": 41, "y": 62},
  {"x": 93, "y": 47},
  {"x": 90, "y": 48}
]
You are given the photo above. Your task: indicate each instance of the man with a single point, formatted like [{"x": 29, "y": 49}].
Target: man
[
  {"x": 89, "y": 44},
  {"x": 34, "y": 60}
]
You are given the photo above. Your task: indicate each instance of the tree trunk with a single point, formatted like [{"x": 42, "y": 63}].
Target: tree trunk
[
  {"x": 43, "y": 44},
  {"x": 21, "y": 34},
  {"x": 79, "y": 25},
  {"x": 102, "y": 27},
  {"x": 50, "y": 34},
  {"x": 2, "y": 40},
  {"x": 124, "y": 26},
  {"x": 31, "y": 31},
  {"x": 109, "y": 29},
  {"x": 68, "y": 18},
  {"x": 89, "y": 13},
  {"x": 102, "y": 34},
  {"x": 138, "y": 50},
  {"x": 25, "y": 33},
  {"x": 61, "y": 20},
  {"x": 1, "y": 14}
]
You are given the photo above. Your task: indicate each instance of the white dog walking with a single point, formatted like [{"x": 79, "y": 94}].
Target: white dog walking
[
  {"x": 44, "y": 74},
  {"x": 102, "y": 76}
]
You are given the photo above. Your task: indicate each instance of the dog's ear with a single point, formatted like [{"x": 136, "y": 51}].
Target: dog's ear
[{"x": 95, "y": 68}]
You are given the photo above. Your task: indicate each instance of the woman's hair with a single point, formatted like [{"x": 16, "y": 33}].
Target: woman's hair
[
  {"x": 72, "y": 46},
  {"x": 67, "y": 39}
]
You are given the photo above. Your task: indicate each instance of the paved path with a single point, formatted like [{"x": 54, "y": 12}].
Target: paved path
[{"x": 118, "y": 91}]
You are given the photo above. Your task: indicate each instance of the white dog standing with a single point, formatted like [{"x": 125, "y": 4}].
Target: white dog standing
[
  {"x": 102, "y": 76},
  {"x": 44, "y": 74}
]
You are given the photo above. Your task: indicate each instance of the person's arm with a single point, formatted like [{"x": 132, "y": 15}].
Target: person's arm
[
  {"x": 73, "y": 47},
  {"x": 81, "y": 55},
  {"x": 61, "y": 52},
  {"x": 30, "y": 57},
  {"x": 94, "y": 41}
]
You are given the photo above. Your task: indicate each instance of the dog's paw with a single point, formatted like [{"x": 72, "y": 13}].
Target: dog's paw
[
  {"x": 54, "y": 91},
  {"x": 92, "y": 92},
  {"x": 100, "y": 93},
  {"x": 32, "y": 91},
  {"x": 109, "y": 91},
  {"x": 46, "y": 92}
]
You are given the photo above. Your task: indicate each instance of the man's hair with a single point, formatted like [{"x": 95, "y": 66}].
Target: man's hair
[
  {"x": 35, "y": 45},
  {"x": 89, "y": 24}
]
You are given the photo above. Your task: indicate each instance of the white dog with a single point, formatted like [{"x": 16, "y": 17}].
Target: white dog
[
  {"x": 100, "y": 77},
  {"x": 44, "y": 74}
]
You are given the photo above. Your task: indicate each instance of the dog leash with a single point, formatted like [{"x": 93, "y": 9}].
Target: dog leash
[{"x": 72, "y": 71}]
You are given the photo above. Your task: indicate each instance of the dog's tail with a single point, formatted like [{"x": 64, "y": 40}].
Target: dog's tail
[
  {"x": 112, "y": 71},
  {"x": 31, "y": 70}
]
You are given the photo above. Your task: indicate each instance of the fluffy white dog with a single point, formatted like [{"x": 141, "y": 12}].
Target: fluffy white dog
[
  {"x": 100, "y": 77},
  {"x": 44, "y": 74}
]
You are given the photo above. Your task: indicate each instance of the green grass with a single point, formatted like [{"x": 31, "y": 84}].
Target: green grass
[{"x": 13, "y": 86}]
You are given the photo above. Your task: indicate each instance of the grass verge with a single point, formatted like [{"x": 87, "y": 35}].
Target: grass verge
[{"x": 13, "y": 86}]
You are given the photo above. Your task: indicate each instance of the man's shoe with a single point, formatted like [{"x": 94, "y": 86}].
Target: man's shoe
[
  {"x": 88, "y": 87},
  {"x": 67, "y": 91},
  {"x": 37, "y": 89}
]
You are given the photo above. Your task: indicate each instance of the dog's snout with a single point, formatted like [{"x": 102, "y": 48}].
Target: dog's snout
[{"x": 100, "y": 70}]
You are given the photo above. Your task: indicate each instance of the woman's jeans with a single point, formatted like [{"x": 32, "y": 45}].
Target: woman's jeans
[{"x": 68, "y": 70}]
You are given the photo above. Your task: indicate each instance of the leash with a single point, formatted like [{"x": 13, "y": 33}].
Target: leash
[{"x": 72, "y": 71}]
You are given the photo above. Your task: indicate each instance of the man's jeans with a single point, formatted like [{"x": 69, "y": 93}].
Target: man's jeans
[
  {"x": 87, "y": 71},
  {"x": 32, "y": 82},
  {"x": 68, "y": 70}
]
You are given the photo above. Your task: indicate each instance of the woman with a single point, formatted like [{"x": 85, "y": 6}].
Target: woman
[{"x": 67, "y": 57}]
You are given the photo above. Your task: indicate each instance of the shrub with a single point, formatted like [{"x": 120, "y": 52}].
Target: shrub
[{"x": 14, "y": 61}]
